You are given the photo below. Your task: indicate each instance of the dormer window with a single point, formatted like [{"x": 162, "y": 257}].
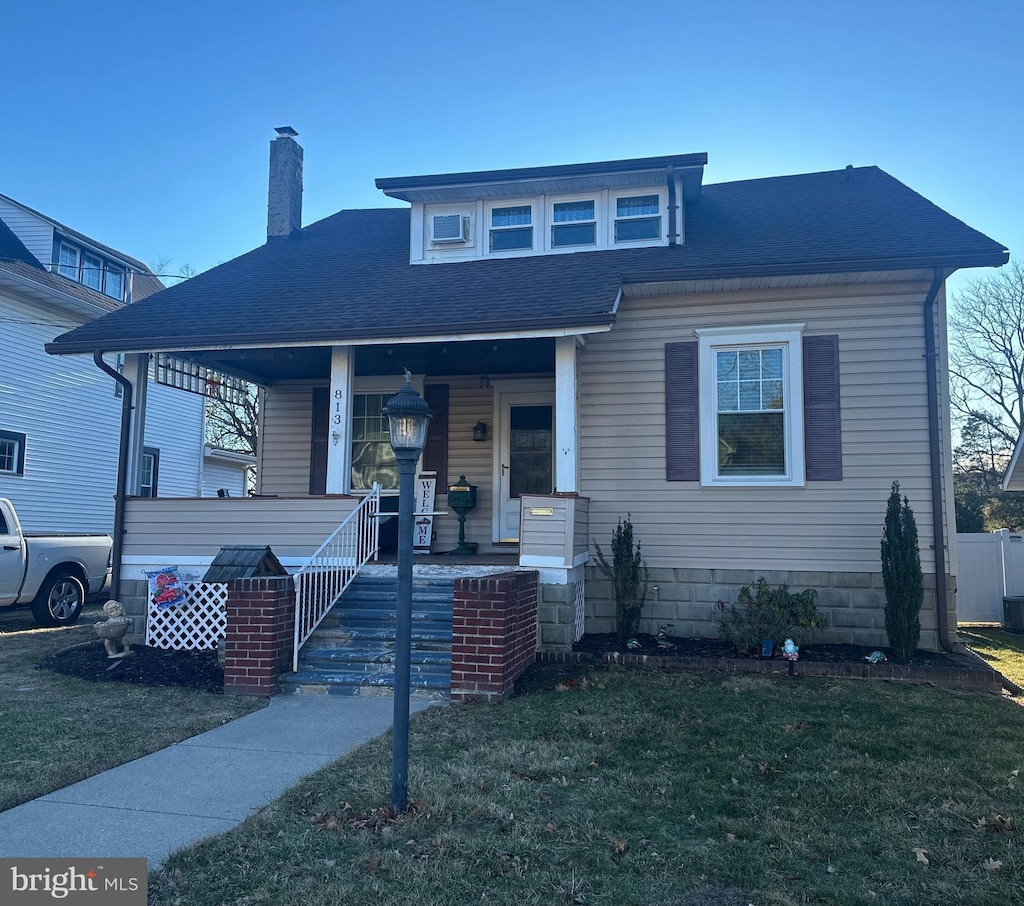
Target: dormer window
[
  {"x": 573, "y": 223},
  {"x": 67, "y": 265},
  {"x": 637, "y": 217},
  {"x": 512, "y": 228},
  {"x": 90, "y": 270}
]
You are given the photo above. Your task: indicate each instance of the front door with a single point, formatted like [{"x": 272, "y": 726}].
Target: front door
[{"x": 525, "y": 449}]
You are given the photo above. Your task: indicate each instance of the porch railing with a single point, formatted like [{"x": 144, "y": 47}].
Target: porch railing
[{"x": 322, "y": 579}]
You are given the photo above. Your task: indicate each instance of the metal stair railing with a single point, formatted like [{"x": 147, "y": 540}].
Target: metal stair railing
[{"x": 323, "y": 578}]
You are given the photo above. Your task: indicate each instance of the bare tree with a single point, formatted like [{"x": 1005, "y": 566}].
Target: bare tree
[
  {"x": 987, "y": 352},
  {"x": 229, "y": 425},
  {"x": 234, "y": 426}
]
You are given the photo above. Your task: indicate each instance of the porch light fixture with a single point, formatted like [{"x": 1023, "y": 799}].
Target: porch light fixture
[
  {"x": 408, "y": 415},
  {"x": 480, "y": 431},
  {"x": 485, "y": 381}
]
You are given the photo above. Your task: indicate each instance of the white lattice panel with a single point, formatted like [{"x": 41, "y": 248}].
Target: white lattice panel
[
  {"x": 195, "y": 625},
  {"x": 578, "y": 593}
]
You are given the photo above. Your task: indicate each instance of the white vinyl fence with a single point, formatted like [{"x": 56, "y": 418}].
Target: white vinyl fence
[{"x": 991, "y": 567}]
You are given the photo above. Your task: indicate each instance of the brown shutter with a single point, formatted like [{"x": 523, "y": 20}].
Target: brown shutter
[
  {"x": 435, "y": 453},
  {"x": 318, "y": 441},
  {"x": 823, "y": 436},
  {"x": 682, "y": 446}
]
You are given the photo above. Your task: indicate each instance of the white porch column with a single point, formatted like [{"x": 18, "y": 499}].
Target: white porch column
[
  {"x": 566, "y": 417},
  {"x": 136, "y": 369},
  {"x": 339, "y": 437}
]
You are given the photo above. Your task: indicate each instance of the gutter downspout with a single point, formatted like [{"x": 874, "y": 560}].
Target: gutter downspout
[
  {"x": 938, "y": 515},
  {"x": 122, "y": 471}
]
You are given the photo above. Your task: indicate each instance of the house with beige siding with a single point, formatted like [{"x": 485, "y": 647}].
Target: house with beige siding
[{"x": 743, "y": 367}]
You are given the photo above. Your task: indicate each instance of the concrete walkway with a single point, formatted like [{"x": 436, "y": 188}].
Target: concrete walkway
[{"x": 193, "y": 789}]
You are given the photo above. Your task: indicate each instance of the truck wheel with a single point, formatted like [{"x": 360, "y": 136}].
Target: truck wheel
[{"x": 59, "y": 601}]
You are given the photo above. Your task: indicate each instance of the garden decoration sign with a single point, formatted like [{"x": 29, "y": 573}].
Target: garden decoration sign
[{"x": 165, "y": 588}]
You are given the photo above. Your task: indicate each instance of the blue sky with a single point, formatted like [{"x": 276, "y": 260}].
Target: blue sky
[{"x": 147, "y": 125}]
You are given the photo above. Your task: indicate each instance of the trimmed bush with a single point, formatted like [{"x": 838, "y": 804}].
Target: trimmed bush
[
  {"x": 769, "y": 613},
  {"x": 902, "y": 577},
  {"x": 628, "y": 573}
]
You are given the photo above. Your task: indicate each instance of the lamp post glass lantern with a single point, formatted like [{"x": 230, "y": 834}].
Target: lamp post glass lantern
[{"x": 408, "y": 415}]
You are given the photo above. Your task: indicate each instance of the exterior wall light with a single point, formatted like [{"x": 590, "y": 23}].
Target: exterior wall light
[{"x": 480, "y": 431}]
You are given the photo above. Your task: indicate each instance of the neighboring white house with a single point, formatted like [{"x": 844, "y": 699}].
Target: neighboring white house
[
  {"x": 60, "y": 417},
  {"x": 227, "y": 473}
]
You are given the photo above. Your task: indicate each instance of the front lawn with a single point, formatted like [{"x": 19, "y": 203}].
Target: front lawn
[
  {"x": 1003, "y": 650},
  {"x": 637, "y": 787},
  {"x": 58, "y": 729}
]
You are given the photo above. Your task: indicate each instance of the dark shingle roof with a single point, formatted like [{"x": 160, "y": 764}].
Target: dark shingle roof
[
  {"x": 13, "y": 249},
  {"x": 348, "y": 276}
]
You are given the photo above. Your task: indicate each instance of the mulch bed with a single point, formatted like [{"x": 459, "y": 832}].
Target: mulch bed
[
  {"x": 600, "y": 644},
  {"x": 197, "y": 670},
  {"x": 834, "y": 661}
]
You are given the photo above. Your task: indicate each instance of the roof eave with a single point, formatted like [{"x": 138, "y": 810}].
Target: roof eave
[
  {"x": 566, "y": 324},
  {"x": 841, "y": 265}
]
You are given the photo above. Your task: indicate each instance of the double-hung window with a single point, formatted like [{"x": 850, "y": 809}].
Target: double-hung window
[
  {"x": 573, "y": 223},
  {"x": 511, "y": 228},
  {"x": 751, "y": 406},
  {"x": 113, "y": 281},
  {"x": 637, "y": 217},
  {"x": 12, "y": 453},
  {"x": 67, "y": 262},
  {"x": 92, "y": 272}
]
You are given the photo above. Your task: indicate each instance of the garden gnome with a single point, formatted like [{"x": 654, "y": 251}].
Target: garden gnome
[{"x": 112, "y": 630}]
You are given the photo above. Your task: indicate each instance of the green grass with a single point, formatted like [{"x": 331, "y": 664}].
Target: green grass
[
  {"x": 1003, "y": 650},
  {"x": 58, "y": 729},
  {"x": 648, "y": 788}
]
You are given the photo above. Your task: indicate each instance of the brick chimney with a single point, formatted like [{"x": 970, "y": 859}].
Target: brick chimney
[{"x": 284, "y": 200}]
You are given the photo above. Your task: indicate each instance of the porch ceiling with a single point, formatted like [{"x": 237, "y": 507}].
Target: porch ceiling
[{"x": 313, "y": 363}]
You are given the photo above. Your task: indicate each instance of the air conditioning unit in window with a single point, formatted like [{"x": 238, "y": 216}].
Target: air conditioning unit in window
[{"x": 446, "y": 228}]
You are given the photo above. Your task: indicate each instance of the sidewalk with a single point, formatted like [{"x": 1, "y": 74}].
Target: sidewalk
[{"x": 202, "y": 786}]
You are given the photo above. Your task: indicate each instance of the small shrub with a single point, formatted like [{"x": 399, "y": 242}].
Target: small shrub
[
  {"x": 902, "y": 577},
  {"x": 769, "y": 613},
  {"x": 628, "y": 573}
]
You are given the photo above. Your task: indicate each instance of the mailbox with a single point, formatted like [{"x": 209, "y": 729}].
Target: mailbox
[{"x": 462, "y": 495}]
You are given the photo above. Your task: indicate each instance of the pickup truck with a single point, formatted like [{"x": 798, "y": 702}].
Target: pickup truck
[{"x": 52, "y": 571}]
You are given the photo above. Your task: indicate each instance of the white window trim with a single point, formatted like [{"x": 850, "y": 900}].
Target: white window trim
[
  {"x": 551, "y": 225},
  {"x": 77, "y": 264},
  {"x": 636, "y": 192},
  {"x": 788, "y": 336},
  {"x": 92, "y": 269},
  {"x": 532, "y": 204},
  {"x": 18, "y": 439}
]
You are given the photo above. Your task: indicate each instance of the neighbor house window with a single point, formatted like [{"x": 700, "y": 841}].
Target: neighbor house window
[
  {"x": 150, "y": 472},
  {"x": 90, "y": 269},
  {"x": 67, "y": 262},
  {"x": 751, "y": 406},
  {"x": 113, "y": 281},
  {"x": 372, "y": 456},
  {"x": 573, "y": 223},
  {"x": 12, "y": 453},
  {"x": 637, "y": 217},
  {"x": 92, "y": 272},
  {"x": 511, "y": 228}
]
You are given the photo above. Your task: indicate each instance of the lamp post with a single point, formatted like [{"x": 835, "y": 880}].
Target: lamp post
[{"x": 408, "y": 415}]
